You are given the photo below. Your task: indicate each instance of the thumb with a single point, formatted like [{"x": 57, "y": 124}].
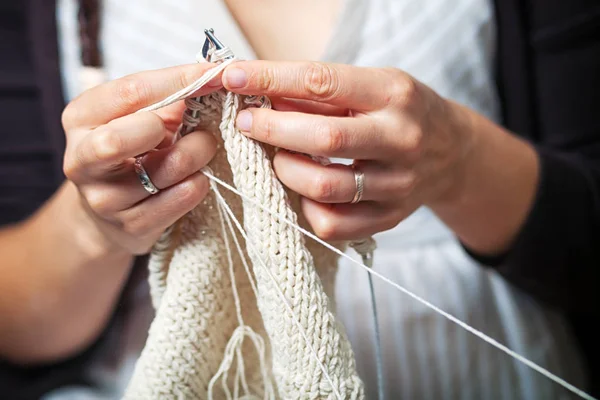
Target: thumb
[{"x": 124, "y": 96}]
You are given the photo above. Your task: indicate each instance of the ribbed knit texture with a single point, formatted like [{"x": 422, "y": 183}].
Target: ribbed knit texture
[
  {"x": 448, "y": 45},
  {"x": 193, "y": 293}
]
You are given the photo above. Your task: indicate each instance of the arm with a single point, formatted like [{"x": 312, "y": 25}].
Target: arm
[
  {"x": 497, "y": 192},
  {"x": 63, "y": 268},
  {"x": 549, "y": 82},
  {"x": 532, "y": 212},
  {"x": 60, "y": 281}
]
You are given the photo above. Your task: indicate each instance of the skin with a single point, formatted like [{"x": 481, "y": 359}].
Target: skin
[
  {"x": 61, "y": 281},
  {"x": 69, "y": 274},
  {"x": 271, "y": 27},
  {"x": 414, "y": 147}
]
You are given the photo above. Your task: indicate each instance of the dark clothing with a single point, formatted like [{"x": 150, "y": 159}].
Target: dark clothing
[
  {"x": 31, "y": 143},
  {"x": 31, "y": 140},
  {"x": 548, "y": 77},
  {"x": 549, "y": 81}
]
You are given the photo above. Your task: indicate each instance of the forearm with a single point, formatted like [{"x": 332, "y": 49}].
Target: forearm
[
  {"x": 60, "y": 282},
  {"x": 494, "y": 191},
  {"x": 532, "y": 213}
]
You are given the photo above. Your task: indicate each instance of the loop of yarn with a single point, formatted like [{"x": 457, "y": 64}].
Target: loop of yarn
[
  {"x": 226, "y": 328},
  {"x": 234, "y": 347}
]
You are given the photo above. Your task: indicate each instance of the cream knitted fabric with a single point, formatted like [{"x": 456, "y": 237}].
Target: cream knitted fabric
[{"x": 193, "y": 292}]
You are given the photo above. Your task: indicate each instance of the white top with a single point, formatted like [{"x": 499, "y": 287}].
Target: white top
[{"x": 449, "y": 45}]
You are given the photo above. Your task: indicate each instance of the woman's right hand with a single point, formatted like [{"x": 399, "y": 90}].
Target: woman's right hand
[{"x": 104, "y": 134}]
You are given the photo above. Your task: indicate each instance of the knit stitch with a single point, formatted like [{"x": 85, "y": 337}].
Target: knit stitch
[{"x": 193, "y": 294}]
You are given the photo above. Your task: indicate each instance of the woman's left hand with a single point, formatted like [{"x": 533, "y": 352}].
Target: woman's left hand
[{"x": 411, "y": 144}]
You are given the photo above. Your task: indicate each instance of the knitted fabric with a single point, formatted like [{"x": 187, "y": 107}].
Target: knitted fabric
[{"x": 193, "y": 293}]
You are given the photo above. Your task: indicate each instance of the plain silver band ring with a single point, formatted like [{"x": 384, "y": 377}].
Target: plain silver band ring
[
  {"x": 359, "y": 178},
  {"x": 143, "y": 175}
]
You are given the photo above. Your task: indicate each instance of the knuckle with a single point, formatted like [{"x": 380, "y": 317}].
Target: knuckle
[
  {"x": 106, "y": 144},
  {"x": 412, "y": 142},
  {"x": 326, "y": 228},
  {"x": 266, "y": 80},
  {"x": 70, "y": 116},
  {"x": 321, "y": 80},
  {"x": 98, "y": 202},
  {"x": 322, "y": 189},
  {"x": 194, "y": 190},
  {"x": 404, "y": 183},
  {"x": 71, "y": 167},
  {"x": 136, "y": 223},
  {"x": 331, "y": 137},
  {"x": 155, "y": 123},
  {"x": 185, "y": 78},
  {"x": 403, "y": 90},
  {"x": 131, "y": 92},
  {"x": 266, "y": 127}
]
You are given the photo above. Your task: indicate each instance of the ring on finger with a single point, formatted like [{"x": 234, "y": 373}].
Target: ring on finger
[
  {"x": 143, "y": 176},
  {"x": 359, "y": 179}
]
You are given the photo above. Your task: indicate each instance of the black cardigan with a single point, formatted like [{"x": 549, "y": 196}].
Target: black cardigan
[{"x": 548, "y": 77}]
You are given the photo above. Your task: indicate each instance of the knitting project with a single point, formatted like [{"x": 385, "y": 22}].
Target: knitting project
[{"x": 226, "y": 328}]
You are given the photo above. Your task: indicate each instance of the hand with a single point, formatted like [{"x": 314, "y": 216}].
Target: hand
[
  {"x": 104, "y": 134},
  {"x": 411, "y": 144}
]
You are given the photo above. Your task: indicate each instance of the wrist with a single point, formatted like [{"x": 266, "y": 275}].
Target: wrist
[
  {"x": 493, "y": 188},
  {"x": 70, "y": 276},
  {"x": 468, "y": 142},
  {"x": 88, "y": 235}
]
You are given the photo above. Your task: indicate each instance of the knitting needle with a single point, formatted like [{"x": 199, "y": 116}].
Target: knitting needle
[{"x": 211, "y": 44}]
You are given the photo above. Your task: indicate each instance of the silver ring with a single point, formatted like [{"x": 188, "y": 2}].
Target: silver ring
[
  {"x": 143, "y": 175},
  {"x": 359, "y": 178}
]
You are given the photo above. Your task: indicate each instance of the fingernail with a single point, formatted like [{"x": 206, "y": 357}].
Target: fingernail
[
  {"x": 236, "y": 78},
  {"x": 244, "y": 121}
]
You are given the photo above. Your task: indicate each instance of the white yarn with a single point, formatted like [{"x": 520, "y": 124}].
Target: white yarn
[
  {"x": 281, "y": 295},
  {"x": 193, "y": 313},
  {"x": 234, "y": 347},
  {"x": 202, "y": 320},
  {"x": 192, "y": 88},
  {"x": 493, "y": 342}
]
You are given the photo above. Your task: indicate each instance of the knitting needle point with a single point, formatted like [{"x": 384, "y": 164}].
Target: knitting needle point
[{"x": 211, "y": 44}]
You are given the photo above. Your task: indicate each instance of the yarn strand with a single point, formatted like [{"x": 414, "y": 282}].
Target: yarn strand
[
  {"x": 190, "y": 89},
  {"x": 242, "y": 331},
  {"x": 222, "y": 201},
  {"x": 233, "y": 349},
  {"x": 366, "y": 249},
  {"x": 493, "y": 342},
  {"x": 197, "y": 337}
]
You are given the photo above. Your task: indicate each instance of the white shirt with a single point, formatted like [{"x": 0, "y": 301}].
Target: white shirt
[{"x": 448, "y": 45}]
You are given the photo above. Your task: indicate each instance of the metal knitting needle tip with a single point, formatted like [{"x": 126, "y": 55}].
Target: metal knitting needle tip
[
  {"x": 211, "y": 44},
  {"x": 210, "y": 35}
]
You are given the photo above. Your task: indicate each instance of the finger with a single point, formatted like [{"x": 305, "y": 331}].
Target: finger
[
  {"x": 336, "y": 183},
  {"x": 171, "y": 115},
  {"x": 129, "y": 94},
  {"x": 308, "y": 107},
  {"x": 347, "y": 221},
  {"x": 169, "y": 139},
  {"x": 161, "y": 210},
  {"x": 106, "y": 148},
  {"x": 344, "y": 86},
  {"x": 315, "y": 134},
  {"x": 165, "y": 167}
]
